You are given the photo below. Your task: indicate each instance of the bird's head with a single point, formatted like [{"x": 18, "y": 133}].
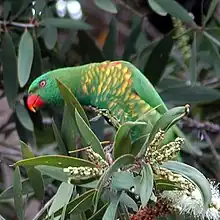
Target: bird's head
[{"x": 44, "y": 91}]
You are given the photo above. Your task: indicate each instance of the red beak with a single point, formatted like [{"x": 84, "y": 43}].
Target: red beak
[{"x": 34, "y": 102}]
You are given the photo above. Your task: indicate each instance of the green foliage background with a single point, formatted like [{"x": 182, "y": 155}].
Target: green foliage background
[{"x": 33, "y": 44}]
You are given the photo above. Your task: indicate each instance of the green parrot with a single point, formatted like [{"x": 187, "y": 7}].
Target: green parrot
[{"x": 117, "y": 86}]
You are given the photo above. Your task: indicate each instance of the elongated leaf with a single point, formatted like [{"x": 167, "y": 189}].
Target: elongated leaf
[
  {"x": 190, "y": 94},
  {"x": 54, "y": 172},
  {"x": 7, "y": 9},
  {"x": 109, "y": 47},
  {"x": 123, "y": 140},
  {"x": 99, "y": 213},
  {"x": 23, "y": 116},
  {"x": 211, "y": 10},
  {"x": 18, "y": 200},
  {"x": 106, "y": 5},
  {"x": 90, "y": 48},
  {"x": 128, "y": 201},
  {"x": 74, "y": 207},
  {"x": 130, "y": 41},
  {"x": 112, "y": 208},
  {"x": 54, "y": 160},
  {"x": 25, "y": 57},
  {"x": 157, "y": 8},
  {"x": 9, "y": 62},
  {"x": 50, "y": 36},
  {"x": 26, "y": 189},
  {"x": 71, "y": 101},
  {"x": 122, "y": 180},
  {"x": 175, "y": 9},
  {"x": 195, "y": 176},
  {"x": 62, "y": 197},
  {"x": 35, "y": 177},
  {"x": 210, "y": 37},
  {"x": 39, "y": 6},
  {"x": 146, "y": 186},
  {"x": 168, "y": 119},
  {"x": 138, "y": 144},
  {"x": 37, "y": 66},
  {"x": 193, "y": 66},
  {"x": 66, "y": 23},
  {"x": 158, "y": 59},
  {"x": 89, "y": 137},
  {"x": 68, "y": 129},
  {"x": 126, "y": 159},
  {"x": 59, "y": 140}
]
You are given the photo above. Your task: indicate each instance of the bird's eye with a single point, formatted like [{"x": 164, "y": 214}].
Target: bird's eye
[{"x": 42, "y": 83}]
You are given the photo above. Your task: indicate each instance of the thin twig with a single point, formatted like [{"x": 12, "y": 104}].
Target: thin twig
[
  {"x": 38, "y": 215},
  {"x": 18, "y": 24}
]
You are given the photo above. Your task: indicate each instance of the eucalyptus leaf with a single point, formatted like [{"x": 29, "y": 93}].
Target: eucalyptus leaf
[
  {"x": 54, "y": 160},
  {"x": 110, "y": 212},
  {"x": 62, "y": 197},
  {"x": 18, "y": 200},
  {"x": 25, "y": 57},
  {"x": 175, "y": 9},
  {"x": 195, "y": 176},
  {"x": 88, "y": 135},
  {"x": 109, "y": 47},
  {"x": 59, "y": 140},
  {"x": 50, "y": 36},
  {"x": 157, "y": 8},
  {"x": 106, "y": 5},
  {"x": 9, "y": 63},
  {"x": 146, "y": 185},
  {"x": 126, "y": 159}
]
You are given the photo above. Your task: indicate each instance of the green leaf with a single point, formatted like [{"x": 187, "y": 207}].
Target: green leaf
[
  {"x": 35, "y": 177},
  {"x": 155, "y": 7},
  {"x": 128, "y": 201},
  {"x": 195, "y": 176},
  {"x": 25, "y": 57},
  {"x": 26, "y": 189},
  {"x": 210, "y": 37},
  {"x": 62, "y": 197},
  {"x": 158, "y": 59},
  {"x": 68, "y": 129},
  {"x": 2, "y": 218},
  {"x": 79, "y": 204},
  {"x": 18, "y": 200},
  {"x": 37, "y": 66},
  {"x": 146, "y": 185},
  {"x": 9, "y": 63},
  {"x": 99, "y": 213},
  {"x": 193, "y": 61},
  {"x": 211, "y": 10},
  {"x": 7, "y": 9},
  {"x": 90, "y": 48},
  {"x": 138, "y": 144},
  {"x": 89, "y": 137},
  {"x": 54, "y": 160},
  {"x": 106, "y": 5},
  {"x": 126, "y": 159},
  {"x": 59, "y": 140},
  {"x": 71, "y": 101},
  {"x": 122, "y": 142},
  {"x": 168, "y": 119},
  {"x": 196, "y": 94},
  {"x": 109, "y": 47},
  {"x": 110, "y": 212},
  {"x": 39, "y": 6},
  {"x": 122, "y": 180},
  {"x": 50, "y": 37},
  {"x": 23, "y": 116},
  {"x": 54, "y": 172},
  {"x": 130, "y": 41},
  {"x": 175, "y": 9},
  {"x": 66, "y": 23}
]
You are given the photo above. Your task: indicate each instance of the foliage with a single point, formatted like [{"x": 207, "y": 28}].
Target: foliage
[{"x": 98, "y": 176}]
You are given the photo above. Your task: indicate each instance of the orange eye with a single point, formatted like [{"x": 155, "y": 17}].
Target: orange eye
[{"x": 42, "y": 83}]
